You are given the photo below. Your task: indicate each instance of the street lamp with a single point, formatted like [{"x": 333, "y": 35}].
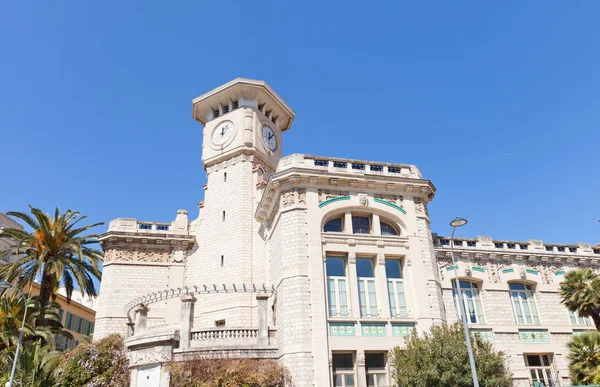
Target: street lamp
[
  {"x": 8, "y": 285},
  {"x": 458, "y": 222}
]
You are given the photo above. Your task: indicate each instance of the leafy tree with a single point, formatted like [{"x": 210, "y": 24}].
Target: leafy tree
[
  {"x": 11, "y": 317},
  {"x": 210, "y": 372},
  {"x": 56, "y": 250},
  {"x": 584, "y": 358},
  {"x": 580, "y": 292},
  {"x": 35, "y": 366},
  {"x": 440, "y": 359},
  {"x": 102, "y": 363}
]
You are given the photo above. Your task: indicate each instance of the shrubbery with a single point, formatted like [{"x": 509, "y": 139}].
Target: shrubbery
[
  {"x": 102, "y": 363},
  {"x": 207, "y": 372}
]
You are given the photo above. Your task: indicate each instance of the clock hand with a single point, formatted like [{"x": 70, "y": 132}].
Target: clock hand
[{"x": 271, "y": 135}]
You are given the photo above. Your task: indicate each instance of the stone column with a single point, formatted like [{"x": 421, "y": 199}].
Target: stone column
[
  {"x": 352, "y": 286},
  {"x": 263, "y": 319},
  {"x": 361, "y": 371},
  {"x": 141, "y": 317},
  {"x": 187, "y": 319}
]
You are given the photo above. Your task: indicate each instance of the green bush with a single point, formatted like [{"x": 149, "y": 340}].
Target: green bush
[
  {"x": 102, "y": 363},
  {"x": 205, "y": 372},
  {"x": 440, "y": 359}
]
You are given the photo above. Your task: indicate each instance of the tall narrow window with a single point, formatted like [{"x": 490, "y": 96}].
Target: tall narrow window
[
  {"x": 223, "y": 216},
  {"x": 334, "y": 225},
  {"x": 360, "y": 225},
  {"x": 576, "y": 319},
  {"x": 343, "y": 369},
  {"x": 376, "y": 371},
  {"x": 224, "y": 176},
  {"x": 541, "y": 370},
  {"x": 336, "y": 286},
  {"x": 395, "y": 285},
  {"x": 523, "y": 304},
  {"x": 387, "y": 229},
  {"x": 222, "y": 260},
  {"x": 366, "y": 287},
  {"x": 471, "y": 300}
]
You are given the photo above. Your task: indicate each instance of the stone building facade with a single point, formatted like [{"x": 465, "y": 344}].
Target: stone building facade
[{"x": 321, "y": 263}]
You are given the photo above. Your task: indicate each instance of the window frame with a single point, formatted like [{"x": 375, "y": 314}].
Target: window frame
[
  {"x": 335, "y": 371},
  {"x": 369, "y": 218},
  {"x": 367, "y": 291},
  {"x": 389, "y": 224},
  {"x": 377, "y": 370},
  {"x": 341, "y": 219},
  {"x": 338, "y": 287},
  {"x": 476, "y": 300},
  {"x": 528, "y": 290},
  {"x": 396, "y": 291},
  {"x": 546, "y": 372},
  {"x": 577, "y": 320}
]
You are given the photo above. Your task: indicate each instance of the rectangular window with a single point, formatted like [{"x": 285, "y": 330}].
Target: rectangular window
[
  {"x": 343, "y": 369},
  {"x": 336, "y": 286},
  {"x": 61, "y": 312},
  {"x": 395, "y": 284},
  {"x": 68, "y": 321},
  {"x": 376, "y": 370},
  {"x": 470, "y": 299},
  {"x": 576, "y": 319},
  {"x": 360, "y": 225},
  {"x": 523, "y": 304},
  {"x": 541, "y": 370},
  {"x": 366, "y": 287}
]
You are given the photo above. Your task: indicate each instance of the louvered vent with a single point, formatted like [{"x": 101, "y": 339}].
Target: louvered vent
[
  {"x": 226, "y": 109},
  {"x": 216, "y": 113},
  {"x": 236, "y": 104}
]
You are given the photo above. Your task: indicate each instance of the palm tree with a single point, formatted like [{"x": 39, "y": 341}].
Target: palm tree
[
  {"x": 56, "y": 251},
  {"x": 35, "y": 366},
  {"x": 11, "y": 317},
  {"x": 580, "y": 292},
  {"x": 584, "y": 357}
]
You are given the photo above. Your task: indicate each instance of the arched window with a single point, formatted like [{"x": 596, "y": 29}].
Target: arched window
[
  {"x": 387, "y": 229},
  {"x": 334, "y": 225},
  {"x": 523, "y": 304},
  {"x": 470, "y": 298}
]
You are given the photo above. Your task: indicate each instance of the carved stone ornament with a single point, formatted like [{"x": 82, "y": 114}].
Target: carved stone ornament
[
  {"x": 360, "y": 359},
  {"x": 178, "y": 255},
  {"x": 396, "y": 199},
  {"x": 154, "y": 355},
  {"x": 326, "y": 194},
  {"x": 313, "y": 180},
  {"x": 353, "y": 183},
  {"x": 363, "y": 200},
  {"x": 293, "y": 196}
]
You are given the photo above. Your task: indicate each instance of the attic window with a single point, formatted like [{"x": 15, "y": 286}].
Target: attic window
[
  {"x": 572, "y": 249},
  {"x": 358, "y": 166},
  {"x": 340, "y": 164},
  {"x": 471, "y": 244},
  {"x": 377, "y": 168},
  {"x": 216, "y": 113},
  {"x": 225, "y": 109},
  {"x": 236, "y": 104},
  {"x": 321, "y": 163},
  {"x": 393, "y": 170},
  {"x": 561, "y": 249}
]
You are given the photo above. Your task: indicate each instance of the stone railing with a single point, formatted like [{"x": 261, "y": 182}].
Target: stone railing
[{"x": 219, "y": 334}]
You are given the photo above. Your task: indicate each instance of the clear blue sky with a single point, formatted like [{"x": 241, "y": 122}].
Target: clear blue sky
[{"x": 497, "y": 103}]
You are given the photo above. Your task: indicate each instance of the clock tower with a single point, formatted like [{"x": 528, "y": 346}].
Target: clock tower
[{"x": 243, "y": 123}]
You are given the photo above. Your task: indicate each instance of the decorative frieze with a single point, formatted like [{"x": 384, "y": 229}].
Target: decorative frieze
[
  {"x": 140, "y": 255},
  {"x": 292, "y": 197},
  {"x": 341, "y": 329},
  {"x": 486, "y": 335},
  {"x": 534, "y": 336},
  {"x": 372, "y": 329},
  {"x": 327, "y": 195},
  {"x": 402, "y": 329}
]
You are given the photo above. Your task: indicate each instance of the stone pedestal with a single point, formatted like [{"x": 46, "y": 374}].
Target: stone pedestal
[
  {"x": 187, "y": 318},
  {"x": 263, "y": 319},
  {"x": 141, "y": 318}
]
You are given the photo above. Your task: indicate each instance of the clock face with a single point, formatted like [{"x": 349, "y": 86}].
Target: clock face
[
  {"x": 269, "y": 138},
  {"x": 223, "y": 133}
]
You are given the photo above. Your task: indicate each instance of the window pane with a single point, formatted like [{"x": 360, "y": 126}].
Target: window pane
[
  {"x": 374, "y": 360},
  {"x": 387, "y": 229},
  {"x": 337, "y": 381},
  {"x": 517, "y": 287},
  {"x": 349, "y": 381},
  {"x": 534, "y": 361},
  {"x": 360, "y": 225},
  {"x": 392, "y": 268},
  {"x": 335, "y": 267},
  {"x": 364, "y": 267},
  {"x": 342, "y": 360},
  {"x": 334, "y": 225}
]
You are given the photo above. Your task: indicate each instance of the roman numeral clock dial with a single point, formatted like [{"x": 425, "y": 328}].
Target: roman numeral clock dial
[
  {"x": 223, "y": 133},
  {"x": 269, "y": 138}
]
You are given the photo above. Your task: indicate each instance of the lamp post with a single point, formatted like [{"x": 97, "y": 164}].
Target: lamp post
[
  {"x": 458, "y": 222},
  {"x": 8, "y": 285}
]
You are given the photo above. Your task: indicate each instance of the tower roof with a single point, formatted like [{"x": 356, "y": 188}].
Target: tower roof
[{"x": 243, "y": 89}]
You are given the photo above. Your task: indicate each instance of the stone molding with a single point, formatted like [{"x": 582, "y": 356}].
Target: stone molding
[
  {"x": 151, "y": 355},
  {"x": 353, "y": 241}
]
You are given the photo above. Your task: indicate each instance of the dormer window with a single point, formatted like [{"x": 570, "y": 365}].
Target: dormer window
[
  {"x": 523, "y": 247},
  {"x": 511, "y": 246},
  {"x": 445, "y": 242},
  {"x": 499, "y": 245},
  {"x": 572, "y": 249},
  {"x": 561, "y": 249},
  {"x": 471, "y": 243},
  {"x": 549, "y": 248}
]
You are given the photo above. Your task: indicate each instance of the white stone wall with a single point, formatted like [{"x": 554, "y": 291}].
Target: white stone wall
[
  {"x": 231, "y": 238},
  {"x": 122, "y": 283}
]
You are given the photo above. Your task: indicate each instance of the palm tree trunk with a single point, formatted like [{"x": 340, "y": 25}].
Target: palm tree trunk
[
  {"x": 596, "y": 318},
  {"x": 45, "y": 292}
]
